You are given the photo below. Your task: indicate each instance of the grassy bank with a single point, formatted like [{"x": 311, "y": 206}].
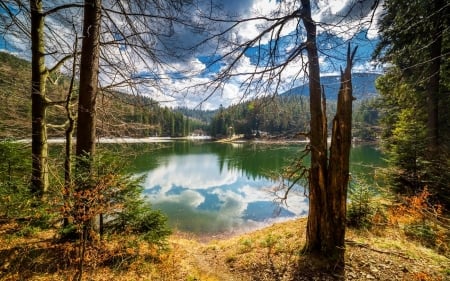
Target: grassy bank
[{"x": 272, "y": 253}]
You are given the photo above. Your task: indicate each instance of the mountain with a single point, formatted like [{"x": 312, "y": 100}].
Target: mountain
[{"x": 363, "y": 86}]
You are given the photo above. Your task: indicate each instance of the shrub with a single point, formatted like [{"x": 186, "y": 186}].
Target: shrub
[
  {"x": 423, "y": 232},
  {"x": 137, "y": 217},
  {"x": 423, "y": 221},
  {"x": 14, "y": 168},
  {"x": 361, "y": 208},
  {"x": 117, "y": 198}
]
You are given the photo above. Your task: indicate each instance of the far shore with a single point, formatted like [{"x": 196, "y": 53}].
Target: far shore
[
  {"x": 235, "y": 139},
  {"x": 127, "y": 139}
]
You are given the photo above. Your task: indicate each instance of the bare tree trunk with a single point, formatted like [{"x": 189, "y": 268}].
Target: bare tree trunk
[
  {"x": 39, "y": 149},
  {"x": 318, "y": 141},
  {"x": 89, "y": 67},
  {"x": 338, "y": 167},
  {"x": 328, "y": 178},
  {"x": 68, "y": 178}
]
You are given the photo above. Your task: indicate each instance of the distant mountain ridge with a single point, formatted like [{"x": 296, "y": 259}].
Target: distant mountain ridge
[{"x": 363, "y": 86}]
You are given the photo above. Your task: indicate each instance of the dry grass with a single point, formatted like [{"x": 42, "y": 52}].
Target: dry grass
[{"x": 272, "y": 253}]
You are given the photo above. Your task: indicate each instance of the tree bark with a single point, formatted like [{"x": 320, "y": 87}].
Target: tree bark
[
  {"x": 89, "y": 67},
  {"x": 318, "y": 141},
  {"x": 338, "y": 167},
  {"x": 39, "y": 149},
  {"x": 328, "y": 178}
]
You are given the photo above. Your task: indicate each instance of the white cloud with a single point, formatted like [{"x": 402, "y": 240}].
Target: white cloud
[
  {"x": 189, "y": 171},
  {"x": 164, "y": 83},
  {"x": 345, "y": 18},
  {"x": 233, "y": 189}
]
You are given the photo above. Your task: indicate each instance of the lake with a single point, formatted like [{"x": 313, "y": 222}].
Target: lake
[{"x": 209, "y": 188}]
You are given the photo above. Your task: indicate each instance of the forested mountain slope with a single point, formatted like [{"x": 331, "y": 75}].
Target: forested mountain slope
[
  {"x": 288, "y": 114},
  {"x": 118, "y": 114}
]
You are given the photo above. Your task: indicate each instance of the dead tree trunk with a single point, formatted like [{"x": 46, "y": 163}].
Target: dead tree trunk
[
  {"x": 318, "y": 141},
  {"x": 338, "y": 166},
  {"x": 328, "y": 178}
]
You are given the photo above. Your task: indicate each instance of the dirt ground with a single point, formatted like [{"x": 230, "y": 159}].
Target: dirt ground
[{"x": 271, "y": 253}]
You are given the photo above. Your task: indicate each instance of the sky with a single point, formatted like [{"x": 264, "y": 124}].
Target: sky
[{"x": 190, "y": 63}]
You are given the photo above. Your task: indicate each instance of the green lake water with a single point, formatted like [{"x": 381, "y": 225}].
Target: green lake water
[{"x": 208, "y": 188}]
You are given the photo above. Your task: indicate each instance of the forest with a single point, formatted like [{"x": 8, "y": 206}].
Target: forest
[{"x": 104, "y": 69}]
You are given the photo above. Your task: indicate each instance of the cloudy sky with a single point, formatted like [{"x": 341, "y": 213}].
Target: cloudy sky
[{"x": 188, "y": 62}]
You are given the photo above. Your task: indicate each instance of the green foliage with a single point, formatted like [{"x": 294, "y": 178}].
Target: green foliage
[
  {"x": 14, "y": 168},
  {"x": 137, "y": 217},
  {"x": 246, "y": 245},
  {"x": 404, "y": 41},
  {"x": 7, "y": 59},
  {"x": 415, "y": 98},
  {"x": 270, "y": 241},
  {"x": 115, "y": 195},
  {"x": 404, "y": 135},
  {"x": 362, "y": 207},
  {"x": 28, "y": 231},
  {"x": 365, "y": 120},
  {"x": 423, "y": 232},
  {"x": 16, "y": 201},
  {"x": 407, "y": 151},
  {"x": 144, "y": 117}
]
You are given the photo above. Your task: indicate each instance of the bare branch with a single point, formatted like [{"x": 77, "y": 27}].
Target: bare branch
[{"x": 62, "y": 7}]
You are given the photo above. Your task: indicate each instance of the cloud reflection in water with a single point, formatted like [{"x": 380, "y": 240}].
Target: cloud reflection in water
[{"x": 203, "y": 195}]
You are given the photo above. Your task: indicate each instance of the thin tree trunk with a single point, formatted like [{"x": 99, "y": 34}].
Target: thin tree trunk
[
  {"x": 69, "y": 130},
  {"x": 39, "y": 149}
]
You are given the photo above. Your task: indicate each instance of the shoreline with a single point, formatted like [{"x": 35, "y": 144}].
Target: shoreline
[
  {"x": 236, "y": 140},
  {"x": 235, "y": 232}
]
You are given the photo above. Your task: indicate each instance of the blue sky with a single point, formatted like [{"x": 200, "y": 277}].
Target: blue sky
[{"x": 184, "y": 79}]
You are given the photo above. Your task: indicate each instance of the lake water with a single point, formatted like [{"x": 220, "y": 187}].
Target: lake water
[{"x": 208, "y": 188}]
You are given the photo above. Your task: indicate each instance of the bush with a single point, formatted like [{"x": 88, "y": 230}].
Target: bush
[
  {"x": 362, "y": 207},
  {"x": 117, "y": 198},
  {"x": 423, "y": 221},
  {"x": 422, "y": 232},
  {"x": 15, "y": 197},
  {"x": 137, "y": 217}
]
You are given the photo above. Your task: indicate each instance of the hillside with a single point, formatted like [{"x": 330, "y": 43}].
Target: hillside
[{"x": 118, "y": 114}]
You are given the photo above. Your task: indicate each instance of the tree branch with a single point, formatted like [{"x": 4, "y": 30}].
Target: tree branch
[{"x": 62, "y": 7}]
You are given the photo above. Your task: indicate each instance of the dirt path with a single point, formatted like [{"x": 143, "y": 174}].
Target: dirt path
[{"x": 201, "y": 262}]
